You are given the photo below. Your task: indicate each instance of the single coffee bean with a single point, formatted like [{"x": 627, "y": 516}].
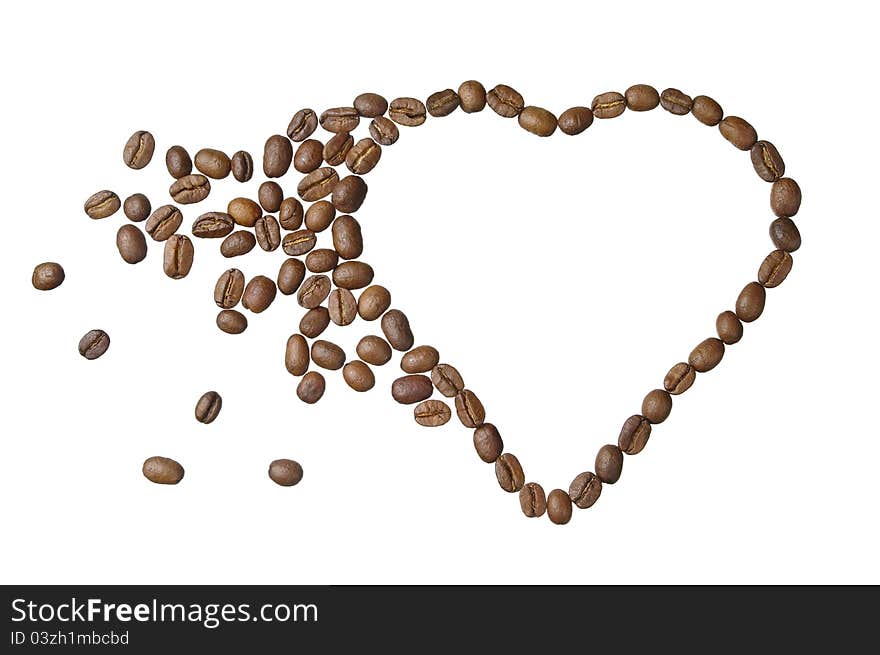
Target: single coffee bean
[
  {"x": 432, "y": 413},
  {"x": 238, "y": 243},
  {"x": 317, "y": 184},
  {"x": 291, "y": 214},
  {"x": 138, "y": 149},
  {"x": 178, "y": 258},
  {"x": 785, "y": 234},
  {"x": 384, "y": 131},
  {"x": 244, "y": 211},
  {"x": 340, "y": 119},
  {"x": 729, "y": 327},
  {"x": 363, "y": 156},
  {"x": 213, "y": 225},
  {"x": 442, "y": 103},
  {"x": 767, "y": 161},
  {"x": 641, "y": 97},
  {"x": 314, "y": 322},
  {"x": 374, "y": 301},
  {"x": 537, "y": 121},
  {"x": 285, "y": 472},
  {"x": 311, "y": 387},
  {"x": 178, "y": 162},
  {"x": 469, "y": 409},
  {"x": 487, "y": 442},
  {"x": 137, "y": 207},
  {"x": 231, "y": 321},
  {"x": 163, "y": 222},
  {"x": 47, "y": 276},
  {"x": 228, "y": 289},
  {"x": 213, "y": 163},
  {"x": 320, "y": 215},
  {"x": 336, "y": 149},
  {"x": 750, "y": 303},
  {"x": 585, "y": 489},
  {"x": 420, "y": 360},
  {"x": 322, "y": 260},
  {"x": 785, "y": 197},
  {"x": 94, "y": 343},
  {"x": 411, "y": 389},
  {"x": 707, "y": 111},
  {"x": 608, "y": 105},
  {"x": 296, "y": 355},
  {"x": 656, "y": 406},
  {"x": 374, "y": 350},
  {"x": 740, "y": 133},
  {"x": 532, "y": 500},
  {"x": 308, "y": 156},
  {"x": 302, "y": 125},
  {"x": 290, "y": 275},
  {"x": 509, "y": 473},
  {"x": 131, "y": 243},
  {"x": 342, "y": 307},
  {"x": 349, "y": 194},
  {"x": 352, "y": 275},
  {"x": 676, "y": 102},
  {"x": 299, "y": 242},
  {"x": 208, "y": 407},
  {"x": 395, "y": 327},
  {"x": 328, "y": 355},
  {"x": 277, "y": 155},
  {"x": 472, "y": 96},
  {"x": 680, "y": 378},
  {"x": 559, "y": 507},
  {"x": 242, "y": 166},
  {"x": 370, "y": 105},
  {"x": 162, "y": 470},
  {"x": 505, "y": 101},
  {"x": 633, "y": 437},
  {"x": 102, "y": 204},
  {"x": 407, "y": 111},
  {"x": 268, "y": 233},
  {"x": 775, "y": 268},
  {"x": 347, "y": 238},
  {"x": 314, "y": 291},
  {"x": 447, "y": 379},
  {"x": 358, "y": 376},
  {"x": 258, "y": 294},
  {"x": 609, "y": 464},
  {"x": 270, "y": 196},
  {"x": 190, "y": 189},
  {"x": 575, "y": 120}
]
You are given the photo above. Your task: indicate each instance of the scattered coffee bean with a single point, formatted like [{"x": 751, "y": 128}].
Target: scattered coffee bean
[
  {"x": 358, "y": 376},
  {"x": 291, "y": 214},
  {"x": 317, "y": 184},
  {"x": 314, "y": 291},
  {"x": 322, "y": 260},
  {"x": 442, "y": 103},
  {"x": 349, "y": 194},
  {"x": 342, "y": 307},
  {"x": 162, "y": 470},
  {"x": 472, "y": 96},
  {"x": 285, "y": 472},
  {"x": 328, "y": 355},
  {"x": 775, "y": 268},
  {"x": 409, "y": 112},
  {"x": 740, "y": 133},
  {"x": 487, "y": 442},
  {"x": 302, "y": 125},
  {"x": 244, "y": 211},
  {"x": 308, "y": 156},
  {"x": 137, "y": 207},
  {"x": 131, "y": 243},
  {"x": 299, "y": 242},
  {"x": 374, "y": 350},
  {"x": 585, "y": 490},
  {"x": 447, "y": 379},
  {"x": 374, "y": 302},
  {"x": 750, "y": 303},
  {"x": 102, "y": 204},
  {"x": 228, "y": 289},
  {"x": 370, "y": 105},
  {"x": 213, "y": 225},
  {"x": 609, "y": 464},
  {"x": 575, "y": 120},
  {"x": 509, "y": 473},
  {"x": 242, "y": 166},
  {"x": 384, "y": 131},
  {"x": 767, "y": 161},
  {"x": 270, "y": 196},
  {"x": 94, "y": 343},
  {"x": 238, "y": 243},
  {"x": 469, "y": 409},
  {"x": 352, "y": 275},
  {"x": 347, "y": 238},
  {"x": 656, "y": 406},
  {"x": 290, "y": 275},
  {"x": 785, "y": 197},
  {"x": 505, "y": 101},
  {"x": 432, "y": 413},
  {"x": 138, "y": 150},
  {"x": 213, "y": 163},
  {"x": 296, "y": 355},
  {"x": 231, "y": 321},
  {"x": 258, "y": 294},
  {"x": 178, "y": 259},
  {"x": 363, "y": 156},
  {"x": 163, "y": 222},
  {"x": 178, "y": 162},
  {"x": 311, "y": 387},
  {"x": 532, "y": 500},
  {"x": 47, "y": 276},
  {"x": 336, "y": 150},
  {"x": 268, "y": 233},
  {"x": 559, "y": 507},
  {"x": 680, "y": 378},
  {"x": 420, "y": 360},
  {"x": 729, "y": 327},
  {"x": 208, "y": 407},
  {"x": 633, "y": 436},
  {"x": 314, "y": 322},
  {"x": 411, "y": 389},
  {"x": 707, "y": 111},
  {"x": 320, "y": 215},
  {"x": 608, "y": 105},
  {"x": 190, "y": 189},
  {"x": 395, "y": 327},
  {"x": 706, "y": 356},
  {"x": 785, "y": 234},
  {"x": 641, "y": 97},
  {"x": 538, "y": 121},
  {"x": 277, "y": 156},
  {"x": 676, "y": 102},
  {"x": 340, "y": 119}
]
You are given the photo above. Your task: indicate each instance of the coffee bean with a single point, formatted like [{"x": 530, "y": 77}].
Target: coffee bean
[
  {"x": 680, "y": 378},
  {"x": 575, "y": 120},
  {"x": 228, "y": 289},
  {"x": 509, "y": 473},
  {"x": 102, "y": 204},
  {"x": 641, "y": 97},
  {"x": 314, "y": 291},
  {"x": 131, "y": 243},
  {"x": 47, "y": 276},
  {"x": 656, "y": 406},
  {"x": 363, "y": 156},
  {"x": 302, "y": 125},
  {"x": 634, "y": 434},
  {"x": 447, "y": 379},
  {"x": 785, "y": 234},
  {"x": 311, "y": 387},
  {"x": 270, "y": 196},
  {"x": 432, "y": 413},
  {"x": 94, "y": 343},
  {"x": 775, "y": 268},
  {"x": 290, "y": 275},
  {"x": 352, "y": 275},
  {"x": 487, "y": 442},
  {"x": 374, "y": 301},
  {"x": 308, "y": 156},
  {"x": 349, "y": 194},
  {"x": 767, "y": 161},
  {"x": 740, "y": 133},
  {"x": 785, "y": 197},
  {"x": 138, "y": 149},
  {"x": 505, "y": 101},
  {"x": 328, "y": 355},
  {"x": 268, "y": 233},
  {"x": 384, "y": 131},
  {"x": 707, "y": 111},
  {"x": 242, "y": 166},
  {"x": 163, "y": 222},
  {"x": 342, "y": 307},
  {"x": 537, "y": 121},
  {"x": 706, "y": 356},
  {"x": 374, "y": 350},
  {"x": 296, "y": 355},
  {"x": 320, "y": 215},
  {"x": 208, "y": 407},
  {"x": 358, "y": 376},
  {"x": 213, "y": 163},
  {"x": 322, "y": 260},
  {"x": 370, "y": 105},
  {"x": 137, "y": 207},
  {"x": 750, "y": 303},
  {"x": 285, "y": 472},
  {"x": 231, "y": 321},
  {"x": 420, "y": 360},
  {"x": 395, "y": 327},
  {"x": 585, "y": 490},
  {"x": 609, "y": 464},
  {"x": 178, "y": 258},
  {"x": 340, "y": 119},
  {"x": 213, "y": 225},
  {"x": 314, "y": 322},
  {"x": 317, "y": 184},
  {"x": 442, "y": 103},
  {"x": 347, "y": 238},
  {"x": 472, "y": 96},
  {"x": 336, "y": 149},
  {"x": 469, "y": 409},
  {"x": 608, "y": 105},
  {"x": 258, "y": 294},
  {"x": 190, "y": 189},
  {"x": 162, "y": 470},
  {"x": 291, "y": 214},
  {"x": 676, "y": 102},
  {"x": 407, "y": 111},
  {"x": 532, "y": 500},
  {"x": 411, "y": 389},
  {"x": 729, "y": 327},
  {"x": 299, "y": 242},
  {"x": 559, "y": 507},
  {"x": 277, "y": 155},
  {"x": 238, "y": 243},
  {"x": 178, "y": 162}
]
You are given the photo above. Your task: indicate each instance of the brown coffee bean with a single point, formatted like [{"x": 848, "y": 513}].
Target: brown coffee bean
[
  {"x": 47, "y": 276},
  {"x": 358, "y": 376},
  {"x": 729, "y": 327},
  {"x": 328, "y": 355},
  {"x": 138, "y": 149},
  {"x": 302, "y": 125},
  {"x": 285, "y": 472},
  {"x": 609, "y": 464},
  {"x": 258, "y": 294},
  {"x": 190, "y": 189},
  {"x": 268, "y": 233},
  {"x": 785, "y": 197},
  {"x": 411, "y": 389},
  {"x": 270, "y": 196},
  {"x": 102, "y": 204},
  {"x": 137, "y": 207},
  {"x": 178, "y": 258},
  {"x": 469, "y": 409},
  {"x": 775, "y": 268},
  {"x": 750, "y": 303},
  {"x": 228, "y": 289},
  {"x": 785, "y": 234},
  {"x": 242, "y": 166},
  {"x": 314, "y": 291},
  {"x": 131, "y": 243},
  {"x": 472, "y": 96},
  {"x": 509, "y": 473},
  {"x": 299, "y": 242},
  {"x": 676, "y": 102},
  {"x": 162, "y": 470},
  {"x": 363, "y": 156},
  {"x": 208, "y": 407},
  {"x": 442, "y": 103},
  {"x": 395, "y": 327},
  {"x": 656, "y": 406},
  {"x": 641, "y": 97},
  {"x": 505, "y": 101},
  {"x": 740, "y": 133},
  {"x": 352, "y": 275},
  {"x": 340, "y": 119},
  {"x": 178, "y": 162},
  {"x": 585, "y": 489},
  {"x": 347, "y": 238},
  {"x": 296, "y": 355},
  {"x": 632, "y": 438},
  {"x": 432, "y": 413},
  {"x": 314, "y": 322},
  {"x": 538, "y": 121},
  {"x": 320, "y": 215},
  {"x": 93, "y": 344},
  {"x": 317, "y": 184},
  {"x": 322, "y": 260},
  {"x": 420, "y": 360},
  {"x": 532, "y": 501},
  {"x": 559, "y": 507},
  {"x": 238, "y": 243},
  {"x": 370, "y": 105},
  {"x": 374, "y": 350},
  {"x": 608, "y": 105},
  {"x": 487, "y": 442},
  {"x": 336, "y": 150},
  {"x": 163, "y": 222},
  {"x": 407, "y": 111},
  {"x": 277, "y": 155},
  {"x": 291, "y": 214},
  {"x": 374, "y": 301},
  {"x": 447, "y": 379},
  {"x": 213, "y": 163},
  {"x": 707, "y": 355},
  {"x": 384, "y": 131},
  {"x": 213, "y": 225},
  {"x": 707, "y": 111},
  {"x": 342, "y": 306},
  {"x": 680, "y": 378},
  {"x": 349, "y": 194},
  {"x": 575, "y": 120},
  {"x": 231, "y": 321},
  {"x": 767, "y": 161},
  {"x": 244, "y": 211},
  {"x": 290, "y": 275},
  {"x": 309, "y": 156},
  {"x": 311, "y": 387}
]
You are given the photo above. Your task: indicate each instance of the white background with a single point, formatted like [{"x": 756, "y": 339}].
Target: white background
[{"x": 562, "y": 276}]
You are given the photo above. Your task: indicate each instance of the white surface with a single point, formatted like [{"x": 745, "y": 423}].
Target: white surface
[{"x": 563, "y": 277}]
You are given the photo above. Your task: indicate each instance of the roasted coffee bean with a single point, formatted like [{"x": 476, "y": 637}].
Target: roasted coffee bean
[
  {"x": 680, "y": 378},
  {"x": 131, "y": 243},
  {"x": 137, "y": 207},
  {"x": 285, "y": 472},
  {"x": 785, "y": 197},
  {"x": 314, "y": 291},
  {"x": 342, "y": 307},
  {"x": 268, "y": 233},
  {"x": 469, "y": 409},
  {"x": 258, "y": 294},
  {"x": 442, "y": 103},
  {"x": 317, "y": 184},
  {"x": 302, "y": 125},
  {"x": 349, "y": 194},
  {"x": 411, "y": 389},
  {"x": 190, "y": 189},
  {"x": 487, "y": 442},
  {"x": 784, "y": 233},
  {"x": 420, "y": 360},
  {"x": 384, "y": 131},
  {"x": 432, "y": 413},
  {"x": 641, "y": 97},
  {"x": 102, "y": 204},
  {"x": 47, "y": 276},
  {"x": 308, "y": 156},
  {"x": 447, "y": 379},
  {"x": 537, "y": 121},
  {"x": 178, "y": 258},
  {"x": 505, "y": 101},
  {"x": 178, "y": 162},
  {"x": 340, "y": 119},
  {"x": 208, "y": 407},
  {"x": 291, "y": 214},
  {"x": 320, "y": 215},
  {"x": 322, "y": 260},
  {"x": 585, "y": 489},
  {"x": 767, "y": 161},
  {"x": 472, "y": 96},
  {"x": 314, "y": 322},
  {"x": 270, "y": 196},
  {"x": 395, "y": 327},
  {"x": 277, "y": 155},
  {"x": 352, "y": 275},
  {"x": 290, "y": 275},
  {"x": 407, "y": 111},
  {"x": 676, "y": 102},
  {"x": 363, "y": 156},
  {"x": 575, "y": 120},
  {"x": 328, "y": 355},
  {"x": 213, "y": 163},
  {"x": 707, "y": 111},
  {"x": 609, "y": 464},
  {"x": 242, "y": 166},
  {"x": 509, "y": 473},
  {"x": 311, "y": 387},
  {"x": 559, "y": 507},
  {"x": 374, "y": 350},
  {"x": 532, "y": 500},
  {"x": 750, "y": 303},
  {"x": 231, "y": 321},
  {"x": 162, "y": 470},
  {"x": 244, "y": 211},
  {"x": 299, "y": 242},
  {"x": 336, "y": 149},
  {"x": 358, "y": 376},
  {"x": 228, "y": 289},
  {"x": 775, "y": 268},
  {"x": 374, "y": 301},
  {"x": 163, "y": 222},
  {"x": 370, "y": 105},
  {"x": 93, "y": 344},
  {"x": 634, "y": 434},
  {"x": 138, "y": 149},
  {"x": 729, "y": 327},
  {"x": 213, "y": 225},
  {"x": 706, "y": 356},
  {"x": 740, "y": 133},
  {"x": 347, "y": 238},
  {"x": 656, "y": 406},
  {"x": 238, "y": 243},
  {"x": 608, "y": 105},
  {"x": 296, "y": 355}
]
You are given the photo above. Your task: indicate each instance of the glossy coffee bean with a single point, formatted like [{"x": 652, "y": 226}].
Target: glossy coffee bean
[
  {"x": 190, "y": 189},
  {"x": 162, "y": 470},
  {"x": 309, "y": 156},
  {"x": 488, "y": 442},
  {"x": 785, "y": 197},
  {"x": 242, "y": 166},
  {"x": 336, "y": 150},
  {"x": 268, "y": 233},
  {"x": 374, "y": 350},
  {"x": 290, "y": 216},
  {"x": 575, "y": 120},
  {"x": 131, "y": 243},
  {"x": 314, "y": 291},
  {"x": 358, "y": 376},
  {"x": 228, "y": 289},
  {"x": 395, "y": 327},
  {"x": 538, "y": 121},
  {"x": 609, "y": 464},
  {"x": 608, "y": 105},
  {"x": 750, "y": 303},
  {"x": 178, "y": 162},
  {"x": 340, "y": 119},
  {"x": 296, "y": 355},
  {"x": 384, "y": 131},
  {"x": 258, "y": 294},
  {"x": 679, "y": 378},
  {"x": 532, "y": 501},
  {"x": 349, "y": 194},
  {"x": 373, "y": 302},
  {"x": 442, "y": 103},
  {"x": 363, "y": 156},
  {"x": 407, "y": 111},
  {"x": 231, "y": 321},
  {"x": 277, "y": 155},
  {"x": 420, "y": 360},
  {"x": 676, "y": 102},
  {"x": 472, "y": 96},
  {"x": 447, "y": 379},
  {"x": 213, "y": 163},
  {"x": 238, "y": 243},
  {"x": 314, "y": 322},
  {"x": 729, "y": 327},
  {"x": 138, "y": 150},
  {"x": 411, "y": 389},
  {"x": 633, "y": 435},
  {"x": 707, "y": 111},
  {"x": 317, "y": 184},
  {"x": 163, "y": 222},
  {"x": 347, "y": 238},
  {"x": 641, "y": 97},
  {"x": 738, "y": 131},
  {"x": 299, "y": 242},
  {"x": 93, "y": 344},
  {"x": 585, "y": 489},
  {"x": 302, "y": 125},
  {"x": 706, "y": 355},
  {"x": 319, "y": 216},
  {"x": 656, "y": 406},
  {"x": 509, "y": 473},
  {"x": 353, "y": 275},
  {"x": 47, "y": 276},
  {"x": 208, "y": 407},
  {"x": 559, "y": 507},
  {"x": 342, "y": 306},
  {"x": 767, "y": 161},
  {"x": 432, "y": 413},
  {"x": 213, "y": 225},
  {"x": 322, "y": 260},
  {"x": 178, "y": 257},
  {"x": 290, "y": 275},
  {"x": 328, "y": 355},
  {"x": 470, "y": 410},
  {"x": 137, "y": 207},
  {"x": 775, "y": 268},
  {"x": 311, "y": 387},
  {"x": 370, "y": 105},
  {"x": 505, "y": 101},
  {"x": 102, "y": 204},
  {"x": 244, "y": 211},
  {"x": 270, "y": 195},
  {"x": 285, "y": 472},
  {"x": 785, "y": 234}
]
